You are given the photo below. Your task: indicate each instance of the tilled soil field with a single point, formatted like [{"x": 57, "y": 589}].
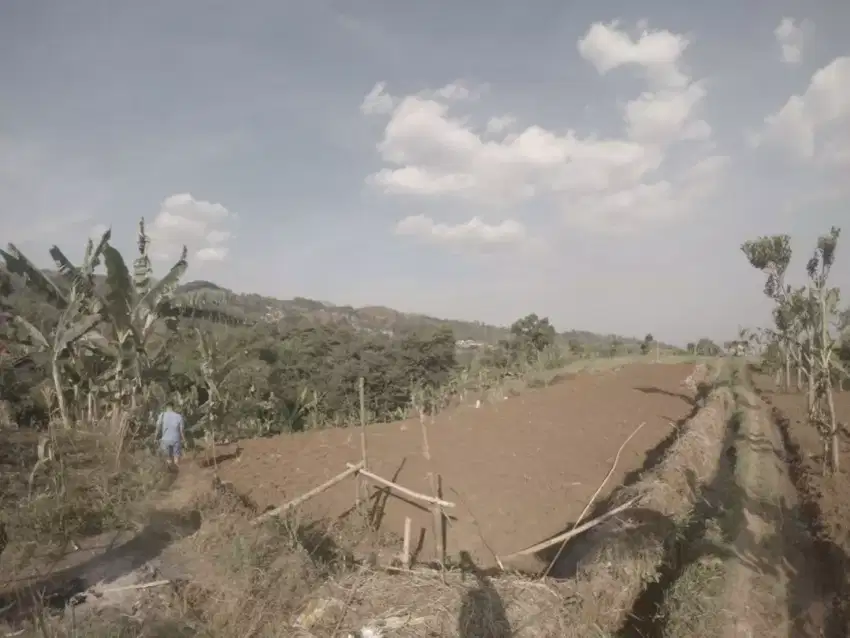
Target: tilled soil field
[{"x": 518, "y": 471}]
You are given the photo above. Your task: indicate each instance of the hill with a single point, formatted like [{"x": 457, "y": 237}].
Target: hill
[{"x": 380, "y": 319}]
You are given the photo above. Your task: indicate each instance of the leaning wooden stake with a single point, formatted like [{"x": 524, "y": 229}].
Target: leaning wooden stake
[
  {"x": 352, "y": 469},
  {"x": 562, "y": 538},
  {"x": 403, "y": 490}
]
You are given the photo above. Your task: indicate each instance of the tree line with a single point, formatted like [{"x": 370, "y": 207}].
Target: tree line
[
  {"x": 84, "y": 345},
  {"x": 808, "y": 345}
]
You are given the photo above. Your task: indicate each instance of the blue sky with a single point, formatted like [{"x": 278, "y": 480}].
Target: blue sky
[{"x": 599, "y": 163}]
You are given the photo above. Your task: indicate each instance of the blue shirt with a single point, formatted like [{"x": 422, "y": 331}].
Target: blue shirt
[{"x": 171, "y": 425}]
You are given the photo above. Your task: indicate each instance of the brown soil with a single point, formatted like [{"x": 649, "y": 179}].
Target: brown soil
[
  {"x": 826, "y": 507},
  {"x": 518, "y": 470}
]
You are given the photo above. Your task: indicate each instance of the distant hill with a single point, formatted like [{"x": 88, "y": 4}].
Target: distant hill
[{"x": 253, "y": 307}]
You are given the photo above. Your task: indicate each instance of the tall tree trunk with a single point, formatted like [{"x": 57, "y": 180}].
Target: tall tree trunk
[
  {"x": 60, "y": 395},
  {"x": 787, "y": 356},
  {"x": 833, "y": 429},
  {"x": 810, "y": 393}
]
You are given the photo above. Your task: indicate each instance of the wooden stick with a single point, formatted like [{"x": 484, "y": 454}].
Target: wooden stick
[
  {"x": 442, "y": 527},
  {"x": 593, "y": 498},
  {"x": 561, "y": 538},
  {"x": 395, "y": 486},
  {"x": 436, "y": 512},
  {"x": 156, "y": 583},
  {"x": 405, "y": 551},
  {"x": 352, "y": 469},
  {"x": 361, "y": 486}
]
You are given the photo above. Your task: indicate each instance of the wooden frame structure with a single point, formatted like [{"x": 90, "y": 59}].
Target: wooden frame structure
[{"x": 362, "y": 475}]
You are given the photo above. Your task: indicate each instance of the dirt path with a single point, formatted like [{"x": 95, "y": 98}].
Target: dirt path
[
  {"x": 519, "y": 470},
  {"x": 750, "y": 569},
  {"x": 770, "y": 584},
  {"x": 824, "y": 507}
]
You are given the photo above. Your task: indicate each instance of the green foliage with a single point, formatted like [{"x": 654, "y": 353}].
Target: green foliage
[
  {"x": 772, "y": 255},
  {"x": 646, "y": 344},
  {"x": 707, "y": 348},
  {"x": 804, "y": 319},
  {"x": 245, "y": 365}
]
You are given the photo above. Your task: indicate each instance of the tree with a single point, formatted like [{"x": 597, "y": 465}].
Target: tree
[
  {"x": 534, "y": 332},
  {"x": 646, "y": 344},
  {"x": 823, "y": 309},
  {"x": 707, "y": 348},
  {"x": 78, "y": 317},
  {"x": 576, "y": 348},
  {"x": 804, "y": 319},
  {"x": 772, "y": 255}
]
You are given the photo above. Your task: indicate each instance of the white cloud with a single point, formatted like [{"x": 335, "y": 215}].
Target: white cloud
[
  {"x": 500, "y": 123},
  {"x": 667, "y": 115},
  {"x": 474, "y": 233},
  {"x": 455, "y": 92},
  {"x": 790, "y": 37},
  {"x": 817, "y": 120},
  {"x": 377, "y": 101},
  {"x": 616, "y": 181},
  {"x": 657, "y": 53},
  {"x": 200, "y": 225}
]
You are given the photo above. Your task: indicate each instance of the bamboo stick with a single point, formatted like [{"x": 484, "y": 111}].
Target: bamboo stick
[
  {"x": 573, "y": 532},
  {"x": 352, "y": 469},
  {"x": 395, "y": 486}
]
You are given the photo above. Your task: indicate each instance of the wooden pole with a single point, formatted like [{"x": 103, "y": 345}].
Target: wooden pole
[
  {"x": 399, "y": 488},
  {"x": 436, "y": 511},
  {"x": 361, "y": 485},
  {"x": 352, "y": 469},
  {"x": 405, "y": 551}
]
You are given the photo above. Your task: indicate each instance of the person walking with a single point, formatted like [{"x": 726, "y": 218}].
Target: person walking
[{"x": 171, "y": 435}]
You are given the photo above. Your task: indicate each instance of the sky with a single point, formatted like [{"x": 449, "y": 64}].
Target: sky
[{"x": 599, "y": 163}]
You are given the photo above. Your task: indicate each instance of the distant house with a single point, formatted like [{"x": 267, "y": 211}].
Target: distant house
[{"x": 468, "y": 344}]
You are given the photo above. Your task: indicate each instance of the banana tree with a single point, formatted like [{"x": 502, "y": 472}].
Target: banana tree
[
  {"x": 133, "y": 304},
  {"x": 71, "y": 328},
  {"x": 78, "y": 317},
  {"x": 824, "y": 305}
]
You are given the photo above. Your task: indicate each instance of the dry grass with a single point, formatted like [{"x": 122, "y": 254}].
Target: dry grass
[
  {"x": 86, "y": 489},
  {"x": 694, "y": 605}
]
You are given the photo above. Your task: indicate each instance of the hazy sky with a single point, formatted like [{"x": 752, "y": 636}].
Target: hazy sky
[{"x": 597, "y": 162}]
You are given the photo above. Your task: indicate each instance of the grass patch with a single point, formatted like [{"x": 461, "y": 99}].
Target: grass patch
[{"x": 693, "y": 605}]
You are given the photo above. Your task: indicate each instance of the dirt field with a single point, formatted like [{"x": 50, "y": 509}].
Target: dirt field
[
  {"x": 827, "y": 508},
  {"x": 519, "y": 471}
]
